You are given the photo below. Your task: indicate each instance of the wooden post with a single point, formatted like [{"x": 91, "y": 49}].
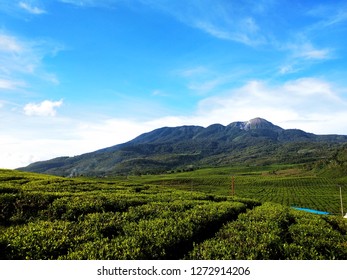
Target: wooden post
[
  {"x": 341, "y": 202},
  {"x": 232, "y": 186}
]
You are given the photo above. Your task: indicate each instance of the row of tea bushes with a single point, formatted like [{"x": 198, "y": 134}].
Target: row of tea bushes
[
  {"x": 157, "y": 230},
  {"x": 273, "y": 231}
]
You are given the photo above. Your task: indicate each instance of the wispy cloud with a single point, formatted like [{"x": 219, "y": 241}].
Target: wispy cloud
[
  {"x": 9, "y": 44},
  {"x": 158, "y": 92},
  {"x": 45, "y": 108},
  {"x": 203, "y": 80},
  {"x": 220, "y": 19},
  {"x": 200, "y": 79},
  {"x": 240, "y": 29},
  {"x": 329, "y": 15},
  {"x": 308, "y": 51},
  {"x": 339, "y": 17},
  {"x": 208, "y": 85},
  {"x": 192, "y": 71},
  {"x": 21, "y": 9},
  {"x": 302, "y": 54},
  {"x": 10, "y": 84},
  {"x": 91, "y": 3},
  {"x": 31, "y": 9},
  {"x": 22, "y": 59}
]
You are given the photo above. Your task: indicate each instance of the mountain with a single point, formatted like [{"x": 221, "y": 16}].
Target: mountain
[{"x": 253, "y": 142}]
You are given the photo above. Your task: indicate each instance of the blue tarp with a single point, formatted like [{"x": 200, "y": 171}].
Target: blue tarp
[{"x": 312, "y": 211}]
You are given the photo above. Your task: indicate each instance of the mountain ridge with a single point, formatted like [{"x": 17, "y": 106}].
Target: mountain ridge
[{"x": 165, "y": 149}]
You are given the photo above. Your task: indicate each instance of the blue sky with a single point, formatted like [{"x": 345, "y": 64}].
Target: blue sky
[{"x": 79, "y": 75}]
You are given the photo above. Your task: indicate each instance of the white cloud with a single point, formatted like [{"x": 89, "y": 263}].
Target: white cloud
[
  {"x": 220, "y": 19},
  {"x": 31, "y": 9},
  {"x": 311, "y": 104},
  {"x": 294, "y": 104},
  {"x": 330, "y": 14},
  {"x": 158, "y": 92},
  {"x": 300, "y": 47},
  {"x": 205, "y": 86},
  {"x": 203, "y": 80},
  {"x": 44, "y": 109},
  {"x": 339, "y": 17},
  {"x": 6, "y": 84},
  {"x": 91, "y": 3},
  {"x": 287, "y": 69},
  {"x": 213, "y": 30},
  {"x": 22, "y": 60},
  {"x": 302, "y": 54},
  {"x": 32, "y": 139},
  {"x": 310, "y": 87},
  {"x": 78, "y": 2},
  {"x": 10, "y": 44},
  {"x": 307, "y": 51},
  {"x": 241, "y": 30},
  {"x": 245, "y": 34},
  {"x": 193, "y": 71}
]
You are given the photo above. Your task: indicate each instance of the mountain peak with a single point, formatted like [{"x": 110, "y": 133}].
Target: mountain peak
[
  {"x": 258, "y": 120},
  {"x": 256, "y": 123}
]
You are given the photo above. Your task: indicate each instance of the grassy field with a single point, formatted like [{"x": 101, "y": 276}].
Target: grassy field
[{"x": 183, "y": 215}]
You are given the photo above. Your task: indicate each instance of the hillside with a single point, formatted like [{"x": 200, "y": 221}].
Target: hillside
[
  {"x": 254, "y": 142},
  {"x": 334, "y": 166}
]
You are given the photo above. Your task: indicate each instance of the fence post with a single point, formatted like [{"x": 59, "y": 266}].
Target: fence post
[{"x": 341, "y": 201}]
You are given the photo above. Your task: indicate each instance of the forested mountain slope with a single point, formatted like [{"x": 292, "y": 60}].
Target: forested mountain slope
[{"x": 254, "y": 142}]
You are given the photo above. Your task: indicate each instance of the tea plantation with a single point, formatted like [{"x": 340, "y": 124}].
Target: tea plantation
[{"x": 186, "y": 215}]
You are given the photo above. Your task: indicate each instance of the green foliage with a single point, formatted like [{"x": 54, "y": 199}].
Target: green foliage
[
  {"x": 18, "y": 208},
  {"x": 289, "y": 185},
  {"x": 165, "y": 217},
  {"x": 258, "y": 234},
  {"x": 272, "y": 231},
  {"x": 164, "y": 237},
  {"x": 39, "y": 240},
  {"x": 7, "y": 207},
  {"x": 313, "y": 238},
  {"x": 71, "y": 208},
  {"x": 333, "y": 165}
]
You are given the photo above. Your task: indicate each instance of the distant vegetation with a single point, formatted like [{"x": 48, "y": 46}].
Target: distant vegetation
[
  {"x": 183, "y": 215},
  {"x": 290, "y": 185},
  {"x": 335, "y": 165}
]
